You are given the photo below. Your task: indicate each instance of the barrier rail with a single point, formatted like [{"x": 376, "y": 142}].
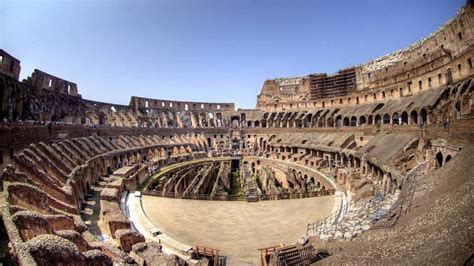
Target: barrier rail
[
  {"x": 401, "y": 206},
  {"x": 321, "y": 226},
  {"x": 275, "y": 196}
]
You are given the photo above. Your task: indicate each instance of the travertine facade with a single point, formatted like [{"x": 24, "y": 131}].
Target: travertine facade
[{"x": 382, "y": 137}]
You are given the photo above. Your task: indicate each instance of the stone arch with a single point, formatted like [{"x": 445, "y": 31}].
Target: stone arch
[
  {"x": 448, "y": 158},
  {"x": 457, "y": 106},
  {"x": 413, "y": 117},
  {"x": 204, "y": 118},
  {"x": 211, "y": 117},
  {"x": 423, "y": 116},
  {"x": 439, "y": 158},
  {"x": 235, "y": 121},
  {"x": 386, "y": 119},
  {"x": 404, "y": 117},
  {"x": 308, "y": 120},
  {"x": 353, "y": 121},
  {"x": 395, "y": 119},
  {"x": 345, "y": 122},
  {"x": 370, "y": 120},
  {"x": 378, "y": 120},
  {"x": 330, "y": 122},
  {"x": 219, "y": 119}
]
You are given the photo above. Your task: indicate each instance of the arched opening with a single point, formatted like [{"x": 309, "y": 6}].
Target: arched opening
[
  {"x": 423, "y": 116},
  {"x": 330, "y": 122},
  {"x": 362, "y": 121},
  {"x": 439, "y": 158},
  {"x": 378, "y": 120},
  {"x": 396, "y": 119},
  {"x": 235, "y": 121},
  {"x": 345, "y": 122},
  {"x": 257, "y": 123},
  {"x": 413, "y": 117},
  {"x": 353, "y": 121},
  {"x": 219, "y": 119},
  {"x": 307, "y": 120},
  {"x": 338, "y": 121},
  {"x": 404, "y": 118},
  {"x": 458, "y": 106},
  {"x": 386, "y": 119},
  {"x": 448, "y": 158},
  {"x": 370, "y": 120},
  {"x": 211, "y": 119}
]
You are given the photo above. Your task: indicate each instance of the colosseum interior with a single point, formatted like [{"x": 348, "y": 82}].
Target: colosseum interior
[{"x": 371, "y": 165}]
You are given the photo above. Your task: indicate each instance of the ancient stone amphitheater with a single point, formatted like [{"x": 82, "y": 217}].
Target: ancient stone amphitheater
[{"x": 371, "y": 165}]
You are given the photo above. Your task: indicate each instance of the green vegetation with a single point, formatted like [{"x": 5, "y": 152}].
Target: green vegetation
[
  {"x": 259, "y": 182},
  {"x": 235, "y": 184}
]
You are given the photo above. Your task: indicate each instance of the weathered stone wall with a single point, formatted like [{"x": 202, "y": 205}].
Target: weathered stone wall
[
  {"x": 42, "y": 80},
  {"x": 9, "y": 65},
  {"x": 446, "y": 56}
]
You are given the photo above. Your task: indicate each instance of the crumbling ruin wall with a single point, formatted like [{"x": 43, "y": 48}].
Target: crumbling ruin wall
[
  {"x": 9, "y": 65},
  {"x": 42, "y": 80},
  {"x": 41, "y": 217},
  {"x": 20, "y": 101},
  {"x": 446, "y": 56},
  {"x": 49, "y": 235}
]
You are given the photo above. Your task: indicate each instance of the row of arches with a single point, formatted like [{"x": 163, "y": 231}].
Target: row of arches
[
  {"x": 403, "y": 118},
  {"x": 324, "y": 119},
  {"x": 331, "y": 160},
  {"x": 185, "y": 119}
]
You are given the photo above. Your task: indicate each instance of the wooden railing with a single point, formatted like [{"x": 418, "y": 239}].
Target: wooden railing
[{"x": 206, "y": 251}]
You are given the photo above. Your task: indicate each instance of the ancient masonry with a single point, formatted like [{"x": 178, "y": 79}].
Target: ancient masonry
[{"x": 392, "y": 138}]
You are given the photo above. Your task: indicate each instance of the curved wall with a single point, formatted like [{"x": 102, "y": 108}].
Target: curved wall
[{"x": 446, "y": 56}]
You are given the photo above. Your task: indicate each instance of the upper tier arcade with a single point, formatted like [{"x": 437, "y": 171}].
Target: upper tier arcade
[
  {"x": 145, "y": 103},
  {"x": 440, "y": 59}
]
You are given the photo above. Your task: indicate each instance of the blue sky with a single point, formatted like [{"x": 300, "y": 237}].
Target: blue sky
[{"x": 206, "y": 50}]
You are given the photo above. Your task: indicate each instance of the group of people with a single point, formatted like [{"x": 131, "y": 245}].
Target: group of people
[
  {"x": 153, "y": 168},
  {"x": 20, "y": 122}
]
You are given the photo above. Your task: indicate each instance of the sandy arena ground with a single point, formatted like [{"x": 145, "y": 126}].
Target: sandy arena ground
[{"x": 237, "y": 228}]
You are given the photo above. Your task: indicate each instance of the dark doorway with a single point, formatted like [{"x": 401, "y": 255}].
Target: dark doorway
[{"x": 439, "y": 158}]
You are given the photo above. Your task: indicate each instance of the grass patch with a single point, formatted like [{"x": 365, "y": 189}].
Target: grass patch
[{"x": 235, "y": 184}]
